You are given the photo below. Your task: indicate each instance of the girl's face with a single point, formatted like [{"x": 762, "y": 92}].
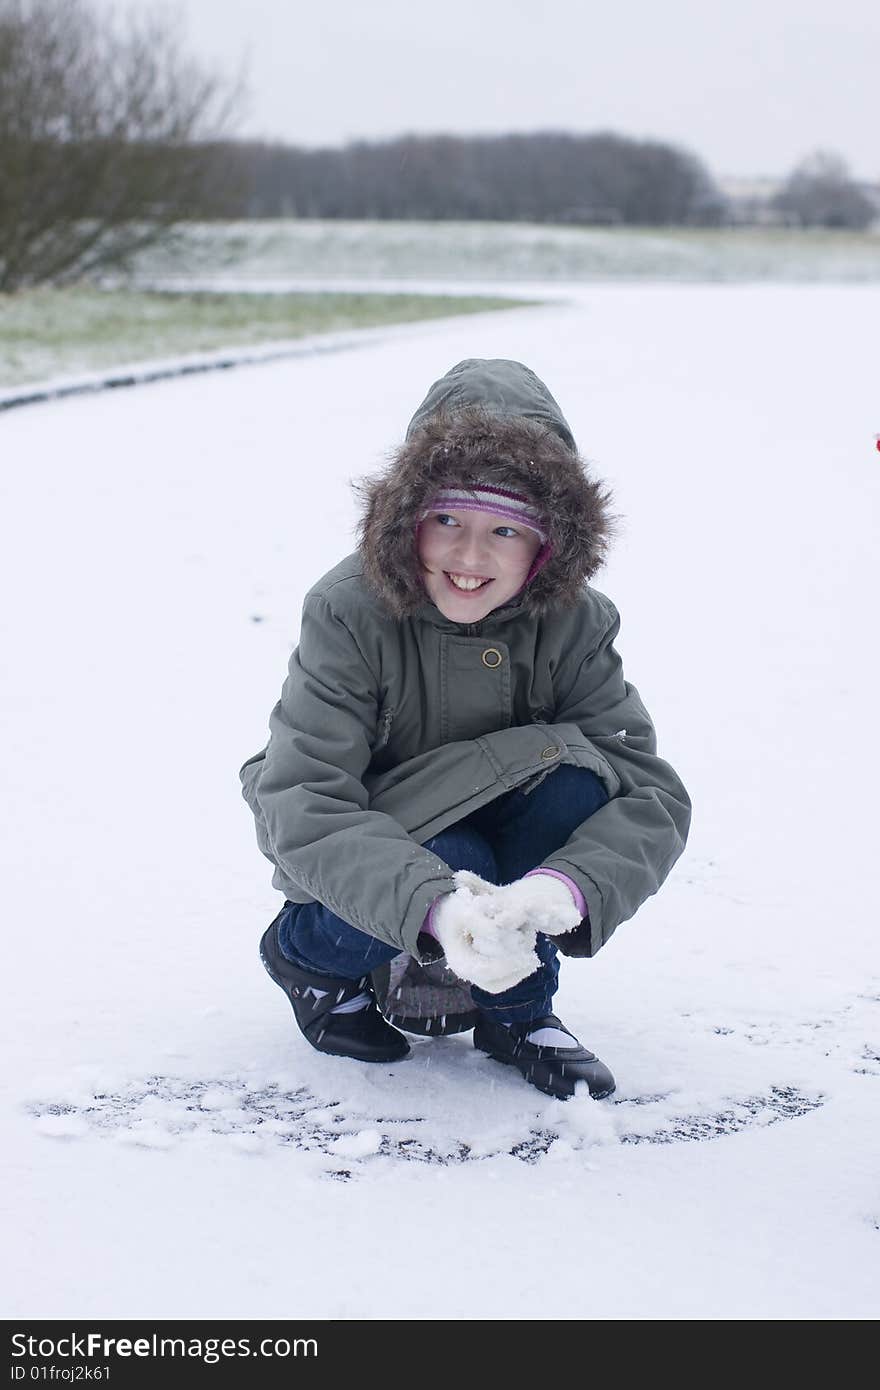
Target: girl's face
[{"x": 473, "y": 545}]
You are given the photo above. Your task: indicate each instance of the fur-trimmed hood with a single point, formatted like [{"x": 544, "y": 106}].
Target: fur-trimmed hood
[{"x": 490, "y": 422}]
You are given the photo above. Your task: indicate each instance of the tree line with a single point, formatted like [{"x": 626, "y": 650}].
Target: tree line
[
  {"x": 591, "y": 180},
  {"x": 546, "y": 177},
  {"x": 111, "y": 135}
]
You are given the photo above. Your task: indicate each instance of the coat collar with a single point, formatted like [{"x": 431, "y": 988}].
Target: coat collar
[{"x": 428, "y": 612}]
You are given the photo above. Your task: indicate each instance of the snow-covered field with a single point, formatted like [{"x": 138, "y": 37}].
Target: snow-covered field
[
  {"x": 278, "y": 249},
  {"x": 172, "y": 1147}
]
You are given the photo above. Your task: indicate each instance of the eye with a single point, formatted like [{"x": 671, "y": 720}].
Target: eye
[{"x": 442, "y": 517}]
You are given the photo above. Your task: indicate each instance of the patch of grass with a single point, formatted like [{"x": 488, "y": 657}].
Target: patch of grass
[{"x": 46, "y": 333}]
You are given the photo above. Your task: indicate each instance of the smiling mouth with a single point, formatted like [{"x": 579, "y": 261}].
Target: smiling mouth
[{"x": 470, "y": 588}]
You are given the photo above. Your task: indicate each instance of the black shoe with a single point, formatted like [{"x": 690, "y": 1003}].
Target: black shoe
[
  {"x": 363, "y": 1035},
  {"x": 554, "y": 1070}
]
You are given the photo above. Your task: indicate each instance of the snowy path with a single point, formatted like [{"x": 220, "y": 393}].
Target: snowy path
[{"x": 172, "y": 1147}]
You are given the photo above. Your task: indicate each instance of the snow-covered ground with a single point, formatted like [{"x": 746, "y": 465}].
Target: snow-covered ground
[
  {"x": 274, "y": 248},
  {"x": 172, "y": 1147}
]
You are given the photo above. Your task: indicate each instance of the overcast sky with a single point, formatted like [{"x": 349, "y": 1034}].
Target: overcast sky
[{"x": 750, "y": 87}]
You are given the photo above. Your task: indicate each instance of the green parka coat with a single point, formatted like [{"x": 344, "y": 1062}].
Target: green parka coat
[{"x": 395, "y": 722}]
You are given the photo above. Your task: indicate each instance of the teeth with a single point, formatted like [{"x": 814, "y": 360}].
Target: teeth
[{"x": 461, "y": 582}]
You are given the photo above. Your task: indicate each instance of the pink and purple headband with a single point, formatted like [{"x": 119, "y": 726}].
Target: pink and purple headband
[{"x": 515, "y": 508}]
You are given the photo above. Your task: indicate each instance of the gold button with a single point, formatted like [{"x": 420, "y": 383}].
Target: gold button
[
  {"x": 489, "y": 653},
  {"x": 550, "y": 753}
]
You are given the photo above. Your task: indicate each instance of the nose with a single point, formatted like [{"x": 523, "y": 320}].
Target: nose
[{"x": 470, "y": 556}]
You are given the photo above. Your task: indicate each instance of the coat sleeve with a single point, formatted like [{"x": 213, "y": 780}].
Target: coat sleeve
[
  {"x": 311, "y": 799},
  {"x": 623, "y": 852}
]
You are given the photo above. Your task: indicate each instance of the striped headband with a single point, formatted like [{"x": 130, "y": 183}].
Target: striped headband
[{"x": 515, "y": 508}]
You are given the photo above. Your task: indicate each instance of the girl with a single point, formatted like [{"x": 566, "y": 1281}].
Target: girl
[{"x": 457, "y": 770}]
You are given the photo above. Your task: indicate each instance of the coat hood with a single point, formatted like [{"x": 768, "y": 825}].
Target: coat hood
[{"x": 490, "y": 422}]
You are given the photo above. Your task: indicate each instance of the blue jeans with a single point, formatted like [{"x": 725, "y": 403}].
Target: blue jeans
[{"x": 500, "y": 842}]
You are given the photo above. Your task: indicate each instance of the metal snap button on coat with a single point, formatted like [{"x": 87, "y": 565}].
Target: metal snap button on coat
[
  {"x": 491, "y": 657},
  {"x": 550, "y": 753}
]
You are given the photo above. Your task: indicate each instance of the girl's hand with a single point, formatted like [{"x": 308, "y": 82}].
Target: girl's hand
[
  {"x": 542, "y": 901},
  {"x": 493, "y": 950}
]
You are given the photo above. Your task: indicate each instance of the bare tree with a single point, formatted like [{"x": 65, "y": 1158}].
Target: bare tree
[
  {"x": 820, "y": 193},
  {"x": 101, "y": 128}
]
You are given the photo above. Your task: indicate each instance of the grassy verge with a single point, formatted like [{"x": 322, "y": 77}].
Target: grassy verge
[{"x": 46, "y": 333}]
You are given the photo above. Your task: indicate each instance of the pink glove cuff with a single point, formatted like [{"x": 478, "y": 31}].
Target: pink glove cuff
[
  {"x": 580, "y": 901},
  {"x": 428, "y": 924}
]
